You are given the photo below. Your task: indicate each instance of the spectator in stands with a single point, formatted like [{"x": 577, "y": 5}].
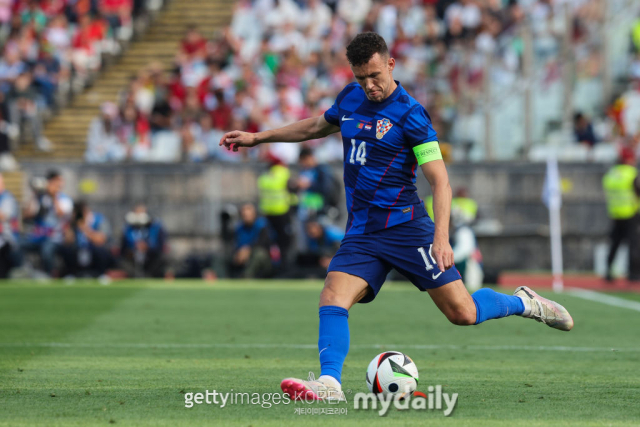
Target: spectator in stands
[
  {"x": 118, "y": 13},
  {"x": 143, "y": 244},
  {"x": 86, "y": 49},
  {"x": 58, "y": 36},
  {"x": 222, "y": 112},
  {"x": 251, "y": 257},
  {"x": 104, "y": 143},
  {"x": 11, "y": 66},
  {"x": 34, "y": 15},
  {"x": 5, "y": 17},
  {"x": 24, "y": 106},
  {"x": 9, "y": 230},
  {"x": 46, "y": 75},
  {"x": 134, "y": 134},
  {"x": 86, "y": 251},
  {"x": 583, "y": 130},
  {"x": 8, "y": 132},
  {"x": 321, "y": 241},
  {"x": 193, "y": 45},
  {"x": 49, "y": 211},
  {"x": 207, "y": 135},
  {"x": 194, "y": 149}
]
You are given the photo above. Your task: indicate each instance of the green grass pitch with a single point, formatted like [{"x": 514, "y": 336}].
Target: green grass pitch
[{"x": 125, "y": 354}]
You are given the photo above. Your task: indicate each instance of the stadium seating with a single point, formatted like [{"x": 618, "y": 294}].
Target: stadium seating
[{"x": 68, "y": 130}]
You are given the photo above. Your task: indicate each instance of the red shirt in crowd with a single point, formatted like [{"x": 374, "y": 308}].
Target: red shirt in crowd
[
  {"x": 114, "y": 6},
  {"x": 53, "y": 7},
  {"x": 88, "y": 35},
  {"x": 221, "y": 116},
  {"x": 191, "y": 47}
]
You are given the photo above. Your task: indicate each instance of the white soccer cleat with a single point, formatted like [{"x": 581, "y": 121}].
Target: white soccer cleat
[
  {"x": 543, "y": 310},
  {"x": 312, "y": 389}
]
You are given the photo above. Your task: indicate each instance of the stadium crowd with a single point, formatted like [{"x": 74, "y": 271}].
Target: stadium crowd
[
  {"x": 50, "y": 50},
  {"x": 280, "y": 61}
]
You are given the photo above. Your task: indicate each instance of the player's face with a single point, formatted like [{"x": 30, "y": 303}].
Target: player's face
[{"x": 375, "y": 77}]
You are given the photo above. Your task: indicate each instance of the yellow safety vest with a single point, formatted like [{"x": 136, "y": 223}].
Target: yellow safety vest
[
  {"x": 274, "y": 194},
  {"x": 618, "y": 184},
  {"x": 635, "y": 34},
  {"x": 468, "y": 207}
]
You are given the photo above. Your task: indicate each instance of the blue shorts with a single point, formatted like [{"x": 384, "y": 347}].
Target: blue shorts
[{"x": 405, "y": 247}]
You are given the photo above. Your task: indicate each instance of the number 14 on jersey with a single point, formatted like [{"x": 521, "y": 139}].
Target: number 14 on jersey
[{"x": 360, "y": 153}]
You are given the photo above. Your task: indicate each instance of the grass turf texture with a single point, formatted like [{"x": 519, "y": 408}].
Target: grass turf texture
[{"x": 126, "y": 354}]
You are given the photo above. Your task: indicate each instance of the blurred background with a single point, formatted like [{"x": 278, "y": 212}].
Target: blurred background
[{"x": 111, "y": 112}]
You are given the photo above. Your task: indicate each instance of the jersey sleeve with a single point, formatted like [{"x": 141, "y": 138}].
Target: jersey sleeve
[
  {"x": 418, "y": 128},
  {"x": 331, "y": 115}
]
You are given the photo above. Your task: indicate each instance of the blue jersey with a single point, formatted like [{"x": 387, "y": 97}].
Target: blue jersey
[{"x": 379, "y": 163}]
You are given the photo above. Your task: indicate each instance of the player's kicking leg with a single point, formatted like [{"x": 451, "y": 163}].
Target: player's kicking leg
[
  {"x": 454, "y": 301},
  {"x": 340, "y": 292}
]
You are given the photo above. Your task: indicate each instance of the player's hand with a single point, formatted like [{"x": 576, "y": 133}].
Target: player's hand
[
  {"x": 442, "y": 253},
  {"x": 236, "y": 139}
]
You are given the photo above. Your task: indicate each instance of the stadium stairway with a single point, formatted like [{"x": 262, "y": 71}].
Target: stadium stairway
[
  {"x": 13, "y": 181},
  {"x": 68, "y": 130}
]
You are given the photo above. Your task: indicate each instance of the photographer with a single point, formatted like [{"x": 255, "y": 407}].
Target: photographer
[
  {"x": 251, "y": 257},
  {"x": 86, "y": 246},
  {"x": 49, "y": 213},
  {"x": 322, "y": 242},
  {"x": 142, "y": 246}
]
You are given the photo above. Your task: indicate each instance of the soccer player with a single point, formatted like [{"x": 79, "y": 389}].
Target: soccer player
[{"x": 386, "y": 134}]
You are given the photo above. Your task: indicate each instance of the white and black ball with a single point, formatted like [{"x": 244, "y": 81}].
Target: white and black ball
[{"x": 393, "y": 373}]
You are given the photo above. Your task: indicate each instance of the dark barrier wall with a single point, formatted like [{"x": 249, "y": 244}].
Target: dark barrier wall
[{"x": 512, "y": 231}]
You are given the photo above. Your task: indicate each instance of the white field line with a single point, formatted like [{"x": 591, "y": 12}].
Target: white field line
[
  {"x": 315, "y": 347},
  {"x": 604, "y": 298}
]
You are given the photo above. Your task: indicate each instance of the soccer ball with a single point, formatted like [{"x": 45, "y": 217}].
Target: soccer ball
[{"x": 393, "y": 373}]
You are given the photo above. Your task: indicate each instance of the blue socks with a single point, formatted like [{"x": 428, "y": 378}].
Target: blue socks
[
  {"x": 493, "y": 305},
  {"x": 333, "y": 340}
]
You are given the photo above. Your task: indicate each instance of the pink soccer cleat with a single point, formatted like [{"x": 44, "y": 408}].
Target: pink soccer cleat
[{"x": 312, "y": 389}]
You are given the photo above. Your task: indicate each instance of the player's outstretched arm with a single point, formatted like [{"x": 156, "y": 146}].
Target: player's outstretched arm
[
  {"x": 311, "y": 128},
  {"x": 436, "y": 173}
]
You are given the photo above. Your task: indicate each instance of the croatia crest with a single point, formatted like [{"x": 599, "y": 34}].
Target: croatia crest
[{"x": 382, "y": 127}]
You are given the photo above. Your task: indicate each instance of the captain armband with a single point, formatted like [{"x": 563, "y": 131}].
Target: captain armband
[{"x": 427, "y": 152}]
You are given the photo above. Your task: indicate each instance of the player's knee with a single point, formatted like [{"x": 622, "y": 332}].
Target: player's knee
[
  {"x": 331, "y": 296},
  {"x": 340, "y": 293},
  {"x": 461, "y": 317},
  {"x": 328, "y": 296}
]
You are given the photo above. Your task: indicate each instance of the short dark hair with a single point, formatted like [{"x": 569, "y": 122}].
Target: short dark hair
[
  {"x": 364, "y": 46},
  {"x": 53, "y": 174},
  {"x": 305, "y": 152}
]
